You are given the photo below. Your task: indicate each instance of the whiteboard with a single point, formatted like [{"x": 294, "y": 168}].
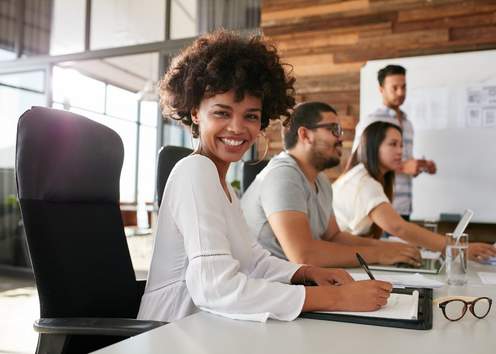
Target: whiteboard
[{"x": 451, "y": 102}]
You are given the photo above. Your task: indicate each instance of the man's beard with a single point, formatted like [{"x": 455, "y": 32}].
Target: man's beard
[{"x": 321, "y": 162}]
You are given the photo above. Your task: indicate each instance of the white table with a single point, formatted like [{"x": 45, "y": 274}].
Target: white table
[{"x": 206, "y": 333}]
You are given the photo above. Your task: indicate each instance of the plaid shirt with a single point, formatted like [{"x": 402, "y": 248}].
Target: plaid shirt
[{"x": 402, "y": 201}]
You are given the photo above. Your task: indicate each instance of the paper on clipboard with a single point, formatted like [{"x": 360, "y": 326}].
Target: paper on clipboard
[
  {"x": 399, "y": 306},
  {"x": 411, "y": 280}
]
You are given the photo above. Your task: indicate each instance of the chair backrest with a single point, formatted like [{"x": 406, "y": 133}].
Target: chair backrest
[
  {"x": 68, "y": 169},
  {"x": 250, "y": 170},
  {"x": 168, "y": 156}
]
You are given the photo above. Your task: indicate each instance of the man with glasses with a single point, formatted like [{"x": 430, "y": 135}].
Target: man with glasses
[{"x": 289, "y": 204}]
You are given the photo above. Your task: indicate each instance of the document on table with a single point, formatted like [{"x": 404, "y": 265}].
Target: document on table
[
  {"x": 399, "y": 306},
  {"x": 487, "y": 278},
  {"x": 401, "y": 280}
]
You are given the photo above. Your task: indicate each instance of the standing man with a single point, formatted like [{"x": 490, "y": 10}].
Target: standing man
[
  {"x": 392, "y": 85},
  {"x": 289, "y": 204}
]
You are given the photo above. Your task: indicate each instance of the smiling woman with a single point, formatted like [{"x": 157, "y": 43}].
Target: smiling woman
[
  {"x": 229, "y": 128},
  {"x": 227, "y": 88}
]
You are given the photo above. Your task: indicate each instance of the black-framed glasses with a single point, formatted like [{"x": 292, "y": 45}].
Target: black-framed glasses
[
  {"x": 455, "y": 307},
  {"x": 335, "y": 128}
]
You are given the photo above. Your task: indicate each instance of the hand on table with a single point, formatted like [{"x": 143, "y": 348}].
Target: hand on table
[
  {"x": 478, "y": 251},
  {"x": 398, "y": 252}
]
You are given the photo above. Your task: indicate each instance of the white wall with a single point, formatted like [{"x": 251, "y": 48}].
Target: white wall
[{"x": 451, "y": 101}]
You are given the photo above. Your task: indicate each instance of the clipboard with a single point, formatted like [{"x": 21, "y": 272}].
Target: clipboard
[{"x": 423, "y": 321}]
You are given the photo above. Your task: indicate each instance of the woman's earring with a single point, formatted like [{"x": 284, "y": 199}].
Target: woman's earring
[
  {"x": 195, "y": 135},
  {"x": 266, "y": 149}
]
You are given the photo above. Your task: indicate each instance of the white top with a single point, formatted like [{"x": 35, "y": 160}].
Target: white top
[
  {"x": 204, "y": 257},
  {"x": 356, "y": 194}
]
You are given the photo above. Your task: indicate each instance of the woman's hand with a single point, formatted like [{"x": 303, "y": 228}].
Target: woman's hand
[
  {"x": 327, "y": 276},
  {"x": 366, "y": 295},
  {"x": 478, "y": 251}
]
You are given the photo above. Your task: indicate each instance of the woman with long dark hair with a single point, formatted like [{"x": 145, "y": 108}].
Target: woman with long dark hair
[{"x": 363, "y": 194}]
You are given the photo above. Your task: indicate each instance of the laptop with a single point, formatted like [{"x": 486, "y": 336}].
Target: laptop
[{"x": 431, "y": 264}]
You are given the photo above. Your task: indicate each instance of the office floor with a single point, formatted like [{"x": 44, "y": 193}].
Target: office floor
[{"x": 19, "y": 305}]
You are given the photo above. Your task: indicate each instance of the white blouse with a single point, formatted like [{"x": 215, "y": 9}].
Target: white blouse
[
  {"x": 204, "y": 257},
  {"x": 356, "y": 194}
]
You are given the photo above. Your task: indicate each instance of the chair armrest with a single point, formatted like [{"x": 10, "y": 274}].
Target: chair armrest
[{"x": 125, "y": 327}]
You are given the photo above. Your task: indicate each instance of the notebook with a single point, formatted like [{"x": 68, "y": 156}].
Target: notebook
[{"x": 428, "y": 266}]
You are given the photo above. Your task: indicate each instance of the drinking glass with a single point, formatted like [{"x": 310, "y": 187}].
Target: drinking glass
[{"x": 456, "y": 259}]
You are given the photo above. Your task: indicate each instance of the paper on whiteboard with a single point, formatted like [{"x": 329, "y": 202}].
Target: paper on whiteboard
[{"x": 481, "y": 106}]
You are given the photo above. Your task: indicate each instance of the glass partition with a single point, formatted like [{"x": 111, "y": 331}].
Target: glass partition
[
  {"x": 18, "y": 92},
  {"x": 68, "y": 26},
  {"x": 120, "y": 93},
  {"x": 184, "y": 19},
  {"x": 117, "y": 23},
  {"x": 7, "y": 55}
]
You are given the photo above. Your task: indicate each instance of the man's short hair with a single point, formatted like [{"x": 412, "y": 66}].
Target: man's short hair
[
  {"x": 389, "y": 71},
  {"x": 305, "y": 114}
]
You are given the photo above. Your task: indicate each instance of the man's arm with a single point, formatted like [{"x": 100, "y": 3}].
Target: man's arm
[
  {"x": 293, "y": 232},
  {"x": 415, "y": 167},
  {"x": 334, "y": 234},
  {"x": 411, "y": 167}
]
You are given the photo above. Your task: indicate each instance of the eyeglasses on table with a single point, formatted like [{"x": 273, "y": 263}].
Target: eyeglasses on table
[{"x": 455, "y": 307}]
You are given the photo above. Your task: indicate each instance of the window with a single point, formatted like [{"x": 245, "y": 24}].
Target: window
[
  {"x": 68, "y": 26},
  {"x": 13, "y": 102},
  {"x": 74, "y": 89},
  {"x": 183, "y": 21},
  {"x": 116, "y": 108},
  {"x": 31, "y": 80},
  {"x": 6, "y": 55},
  {"x": 147, "y": 151},
  {"x": 117, "y": 23},
  {"x": 121, "y": 103}
]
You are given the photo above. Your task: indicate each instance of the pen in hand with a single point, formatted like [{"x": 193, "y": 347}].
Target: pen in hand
[{"x": 364, "y": 266}]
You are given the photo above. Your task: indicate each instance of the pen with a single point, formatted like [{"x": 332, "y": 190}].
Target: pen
[{"x": 364, "y": 265}]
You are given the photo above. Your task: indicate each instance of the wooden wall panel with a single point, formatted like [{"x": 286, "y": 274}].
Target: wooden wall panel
[{"x": 328, "y": 41}]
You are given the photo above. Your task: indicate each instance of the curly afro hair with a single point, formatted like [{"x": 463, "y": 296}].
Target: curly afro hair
[{"x": 221, "y": 61}]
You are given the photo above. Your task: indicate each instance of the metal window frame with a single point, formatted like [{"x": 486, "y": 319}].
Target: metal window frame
[{"x": 166, "y": 50}]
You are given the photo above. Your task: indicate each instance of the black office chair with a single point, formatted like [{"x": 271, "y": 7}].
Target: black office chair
[
  {"x": 68, "y": 170},
  {"x": 168, "y": 156},
  {"x": 250, "y": 170}
]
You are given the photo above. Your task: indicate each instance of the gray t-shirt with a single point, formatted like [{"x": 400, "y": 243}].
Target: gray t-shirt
[{"x": 282, "y": 186}]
